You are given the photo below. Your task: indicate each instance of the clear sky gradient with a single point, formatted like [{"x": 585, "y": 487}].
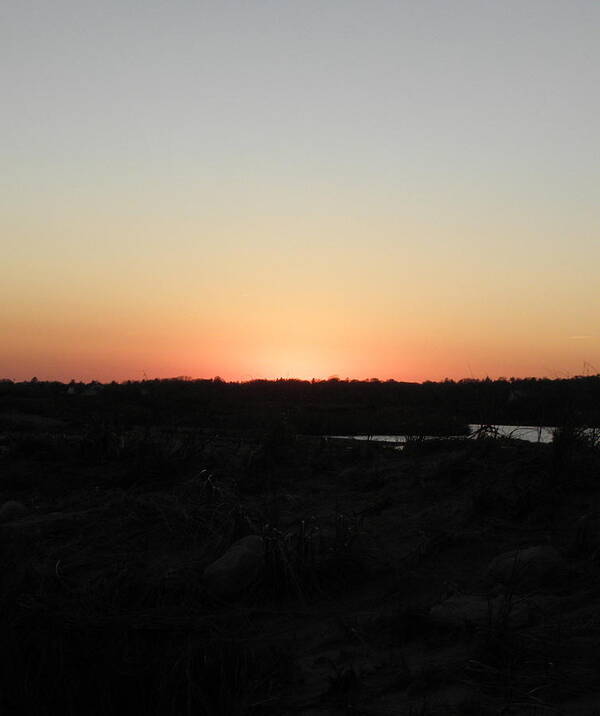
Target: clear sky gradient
[{"x": 273, "y": 188}]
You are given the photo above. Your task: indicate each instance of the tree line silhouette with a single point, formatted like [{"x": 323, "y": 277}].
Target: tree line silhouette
[{"x": 332, "y": 406}]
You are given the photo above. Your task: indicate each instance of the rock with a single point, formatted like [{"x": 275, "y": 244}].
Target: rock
[
  {"x": 474, "y": 611},
  {"x": 50, "y": 524},
  {"x": 12, "y": 510},
  {"x": 586, "y": 538},
  {"x": 462, "y": 611},
  {"x": 237, "y": 569},
  {"x": 528, "y": 569}
]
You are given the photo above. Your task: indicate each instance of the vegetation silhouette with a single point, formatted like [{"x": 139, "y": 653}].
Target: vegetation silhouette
[{"x": 202, "y": 547}]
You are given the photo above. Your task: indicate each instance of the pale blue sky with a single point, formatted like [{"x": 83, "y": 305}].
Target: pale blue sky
[{"x": 397, "y": 93}]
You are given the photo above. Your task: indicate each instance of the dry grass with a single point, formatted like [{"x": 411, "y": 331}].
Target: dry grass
[{"x": 104, "y": 609}]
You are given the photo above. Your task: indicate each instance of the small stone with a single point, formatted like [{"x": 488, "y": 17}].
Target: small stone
[
  {"x": 237, "y": 569},
  {"x": 12, "y": 510}
]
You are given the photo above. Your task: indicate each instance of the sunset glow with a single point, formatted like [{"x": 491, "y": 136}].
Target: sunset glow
[{"x": 390, "y": 189}]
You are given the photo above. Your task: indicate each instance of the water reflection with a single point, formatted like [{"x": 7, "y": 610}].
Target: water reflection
[{"x": 530, "y": 433}]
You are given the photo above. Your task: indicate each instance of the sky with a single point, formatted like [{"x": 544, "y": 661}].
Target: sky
[{"x": 277, "y": 188}]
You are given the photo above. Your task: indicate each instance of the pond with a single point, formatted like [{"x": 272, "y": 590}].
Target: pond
[{"x": 530, "y": 433}]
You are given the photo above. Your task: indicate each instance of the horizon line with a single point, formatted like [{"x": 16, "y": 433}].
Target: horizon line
[{"x": 288, "y": 379}]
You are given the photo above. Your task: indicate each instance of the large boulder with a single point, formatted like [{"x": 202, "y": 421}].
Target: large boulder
[
  {"x": 12, "y": 510},
  {"x": 528, "y": 569},
  {"x": 237, "y": 569}
]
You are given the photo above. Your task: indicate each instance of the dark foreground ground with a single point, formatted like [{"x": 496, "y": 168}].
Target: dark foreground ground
[{"x": 374, "y": 596}]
